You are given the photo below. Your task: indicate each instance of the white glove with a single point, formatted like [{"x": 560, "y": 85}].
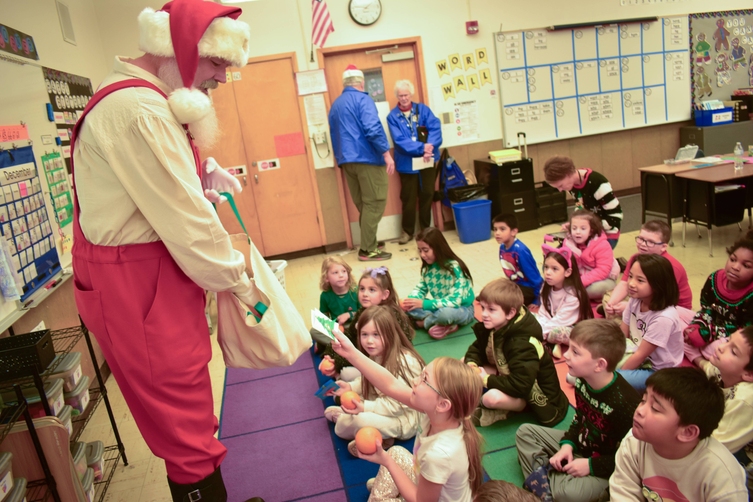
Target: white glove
[{"x": 215, "y": 180}]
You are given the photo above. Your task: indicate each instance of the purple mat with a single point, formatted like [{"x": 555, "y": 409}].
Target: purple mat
[
  {"x": 237, "y": 375},
  {"x": 284, "y": 463},
  {"x": 271, "y": 402}
]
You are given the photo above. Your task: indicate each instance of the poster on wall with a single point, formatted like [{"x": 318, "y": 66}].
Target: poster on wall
[
  {"x": 17, "y": 43},
  {"x": 68, "y": 96},
  {"x": 60, "y": 192},
  {"x": 721, "y": 46},
  {"x": 466, "y": 120},
  {"x": 374, "y": 84}
]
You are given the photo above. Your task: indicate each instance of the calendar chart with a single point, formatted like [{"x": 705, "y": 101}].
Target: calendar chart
[{"x": 591, "y": 80}]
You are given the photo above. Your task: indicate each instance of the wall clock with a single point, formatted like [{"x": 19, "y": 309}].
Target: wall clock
[{"x": 365, "y": 12}]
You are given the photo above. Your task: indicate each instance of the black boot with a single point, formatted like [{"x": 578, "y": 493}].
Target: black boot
[{"x": 209, "y": 489}]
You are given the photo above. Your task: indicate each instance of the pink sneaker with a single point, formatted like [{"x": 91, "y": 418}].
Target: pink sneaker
[{"x": 439, "y": 331}]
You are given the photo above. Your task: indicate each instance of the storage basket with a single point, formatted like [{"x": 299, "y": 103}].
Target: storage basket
[
  {"x": 20, "y": 354},
  {"x": 278, "y": 267},
  {"x": 704, "y": 118}
]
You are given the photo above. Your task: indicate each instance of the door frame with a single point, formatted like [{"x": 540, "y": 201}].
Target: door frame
[
  {"x": 293, "y": 57},
  {"x": 323, "y": 54}
]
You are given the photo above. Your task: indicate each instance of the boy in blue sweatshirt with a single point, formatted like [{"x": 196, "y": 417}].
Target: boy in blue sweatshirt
[{"x": 516, "y": 259}]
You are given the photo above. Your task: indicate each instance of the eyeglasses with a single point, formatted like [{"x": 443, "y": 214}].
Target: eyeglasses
[
  {"x": 650, "y": 244},
  {"x": 422, "y": 379}
]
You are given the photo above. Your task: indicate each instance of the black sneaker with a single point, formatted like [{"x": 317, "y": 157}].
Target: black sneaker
[
  {"x": 381, "y": 245},
  {"x": 377, "y": 255}
]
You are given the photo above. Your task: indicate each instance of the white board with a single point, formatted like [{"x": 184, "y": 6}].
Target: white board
[{"x": 574, "y": 82}]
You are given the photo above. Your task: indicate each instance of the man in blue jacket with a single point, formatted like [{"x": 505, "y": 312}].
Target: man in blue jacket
[
  {"x": 417, "y": 135},
  {"x": 362, "y": 151}
]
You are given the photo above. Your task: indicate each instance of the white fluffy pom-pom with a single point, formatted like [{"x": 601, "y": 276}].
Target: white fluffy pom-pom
[{"x": 189, "y": 105}]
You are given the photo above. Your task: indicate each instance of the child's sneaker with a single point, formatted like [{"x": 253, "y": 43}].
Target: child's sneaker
[
  {"x": 440, "y": 331},
  {"x": 485, "y": 417},
  {"x": 332, "y": 413},
  {"x": 377, "y": 255}
]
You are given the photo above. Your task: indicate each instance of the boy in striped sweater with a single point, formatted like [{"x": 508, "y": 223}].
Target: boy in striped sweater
[{"x": 591, "y": 190}]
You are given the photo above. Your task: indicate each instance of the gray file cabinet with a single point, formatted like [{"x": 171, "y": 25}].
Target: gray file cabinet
[{"x": 720, "y": 139}]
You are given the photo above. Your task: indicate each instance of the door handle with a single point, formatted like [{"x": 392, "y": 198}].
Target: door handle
[
  {"x": 244, "y": 182},
  {"x": 256, "y": 178}
]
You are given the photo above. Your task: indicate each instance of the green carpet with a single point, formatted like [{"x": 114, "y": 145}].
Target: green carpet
[{"x": 501, "y": 461}]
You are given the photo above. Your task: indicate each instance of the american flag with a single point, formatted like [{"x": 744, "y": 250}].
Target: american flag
[{"x": 321, "y": 23}]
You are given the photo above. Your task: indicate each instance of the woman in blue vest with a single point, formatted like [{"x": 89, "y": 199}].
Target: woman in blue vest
[{"x": 417, "y": 135}]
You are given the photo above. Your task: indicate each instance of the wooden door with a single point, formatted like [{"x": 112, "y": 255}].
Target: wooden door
[
  {"x": 267, "y": 122},
  {"x": 365, "y": 59},
  {"x": 230, "y": 152}
]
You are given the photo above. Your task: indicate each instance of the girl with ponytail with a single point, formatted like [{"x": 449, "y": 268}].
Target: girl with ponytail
[{"x": 446, "y": 461}]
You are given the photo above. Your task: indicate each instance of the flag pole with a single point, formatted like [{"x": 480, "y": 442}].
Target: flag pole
[{"x": 303, "y": 30}]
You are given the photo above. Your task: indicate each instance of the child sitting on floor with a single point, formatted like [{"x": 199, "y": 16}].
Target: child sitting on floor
[
  {"x": 446, "y": 460},
  {"x": 444, "y": 277},
  {"x": 338, "y": 299},
  {"x": 582, "y": 458},
  {"x": 383, "y": 341},
  {"x": 374, "y": 288},
  {"x": 651, "y": 321},
  {"x": 510, "y": 358},
  {"x": 732, "y": 367},
  {"x": 653, "y": 238},
  {"x": 726, "y": 302},
  {"x": 669, "y": 452},
  {"x": 516, "y": 259},
  {"x": 598, "y": 268},
  {"x": 564, "y": 300}
]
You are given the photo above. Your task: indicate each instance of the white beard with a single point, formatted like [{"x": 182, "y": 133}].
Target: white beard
[{"x": 206, "y": 131}]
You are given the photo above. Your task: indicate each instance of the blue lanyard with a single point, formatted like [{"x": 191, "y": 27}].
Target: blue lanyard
[{"x": 410, "y": 120}]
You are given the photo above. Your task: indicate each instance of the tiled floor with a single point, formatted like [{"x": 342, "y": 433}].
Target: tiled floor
[{"x": 144, "y": 479}]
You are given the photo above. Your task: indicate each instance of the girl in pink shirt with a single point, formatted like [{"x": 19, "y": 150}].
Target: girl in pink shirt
[{"x": 586, "y": 238}]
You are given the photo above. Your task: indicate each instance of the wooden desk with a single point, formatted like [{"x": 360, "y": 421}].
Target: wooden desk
[
  {"x": 659, "y": 190},
  {"x": 701, "y": 202}
]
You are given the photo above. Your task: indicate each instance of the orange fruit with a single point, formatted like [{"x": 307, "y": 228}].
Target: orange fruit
[
  {"x": 366, "y": 439},
  {"x": 350, "y": 400},
  {"x": 326, "y": 366}
]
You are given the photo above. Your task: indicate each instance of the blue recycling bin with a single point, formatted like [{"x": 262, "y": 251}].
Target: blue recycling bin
[{"x": 473, "y": 220}]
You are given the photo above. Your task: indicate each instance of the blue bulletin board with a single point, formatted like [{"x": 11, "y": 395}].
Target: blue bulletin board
[{"x": 24, "y": 221}]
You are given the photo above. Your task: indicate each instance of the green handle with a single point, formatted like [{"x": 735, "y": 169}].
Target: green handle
[{"x": 230, "y": 200}]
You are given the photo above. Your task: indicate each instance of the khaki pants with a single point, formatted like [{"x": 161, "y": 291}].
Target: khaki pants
[
  {"x": 368, "y": 185},
  {"x": 536, "y": 445}
]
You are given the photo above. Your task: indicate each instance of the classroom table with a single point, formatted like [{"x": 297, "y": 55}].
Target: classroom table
[
  {"x": 659, "y": 190},
  {"x": 703, "y": 205}
]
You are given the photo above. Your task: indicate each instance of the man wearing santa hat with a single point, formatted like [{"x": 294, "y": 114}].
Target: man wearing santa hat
[
  {"x": 362, "y": 151},
  {"x": 147, "y": 241}
]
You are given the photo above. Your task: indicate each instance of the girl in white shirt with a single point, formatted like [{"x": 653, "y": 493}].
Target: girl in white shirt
[
  {"x": 380, "y": 337},
  {"x": 564, "y": 300},
  {"x": 446, "y": 461}
]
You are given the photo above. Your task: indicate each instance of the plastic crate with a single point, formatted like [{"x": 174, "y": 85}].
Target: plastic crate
[
  {"x": 278, "y": 267},
  {"x": 20, "y": 354},
  {"x": 713, "y": 117}
]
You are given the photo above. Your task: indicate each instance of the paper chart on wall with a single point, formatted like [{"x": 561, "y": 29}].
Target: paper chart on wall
[
  {"x": 582, "y": 81},
  {"x": 316, "y": 117},
  {"x": 465, "y": 117}
]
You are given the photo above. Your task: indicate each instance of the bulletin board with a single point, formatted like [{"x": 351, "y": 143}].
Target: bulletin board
[
  {"x": 24, "y": 222},
  {"x": 582, "y": 81},
  {"x": 721, "y": 44}
]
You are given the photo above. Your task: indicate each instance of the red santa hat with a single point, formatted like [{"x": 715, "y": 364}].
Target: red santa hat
[
  {"x": 352, "y": 71},
  {"x": 187, "y": 30}
]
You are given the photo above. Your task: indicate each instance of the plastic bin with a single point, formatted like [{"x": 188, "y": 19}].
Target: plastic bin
[
  {"x": 78, "y": 452},
  {"x": 18, "y": 493},
  {"x": 88, "y": 484},
  {"x": 78, "y": 398},
  {"x": 53, "y": 389},
  {"x": 65, "y": 417},
  {"x": 278, "y": 267},
  {"x": 473, "y": 220},
  {"x": 6, "y": 473},
  {"x": 68, "y": 369},
  {"x": 705, "y": 118},
  {"x": 95, "y": 453}
]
